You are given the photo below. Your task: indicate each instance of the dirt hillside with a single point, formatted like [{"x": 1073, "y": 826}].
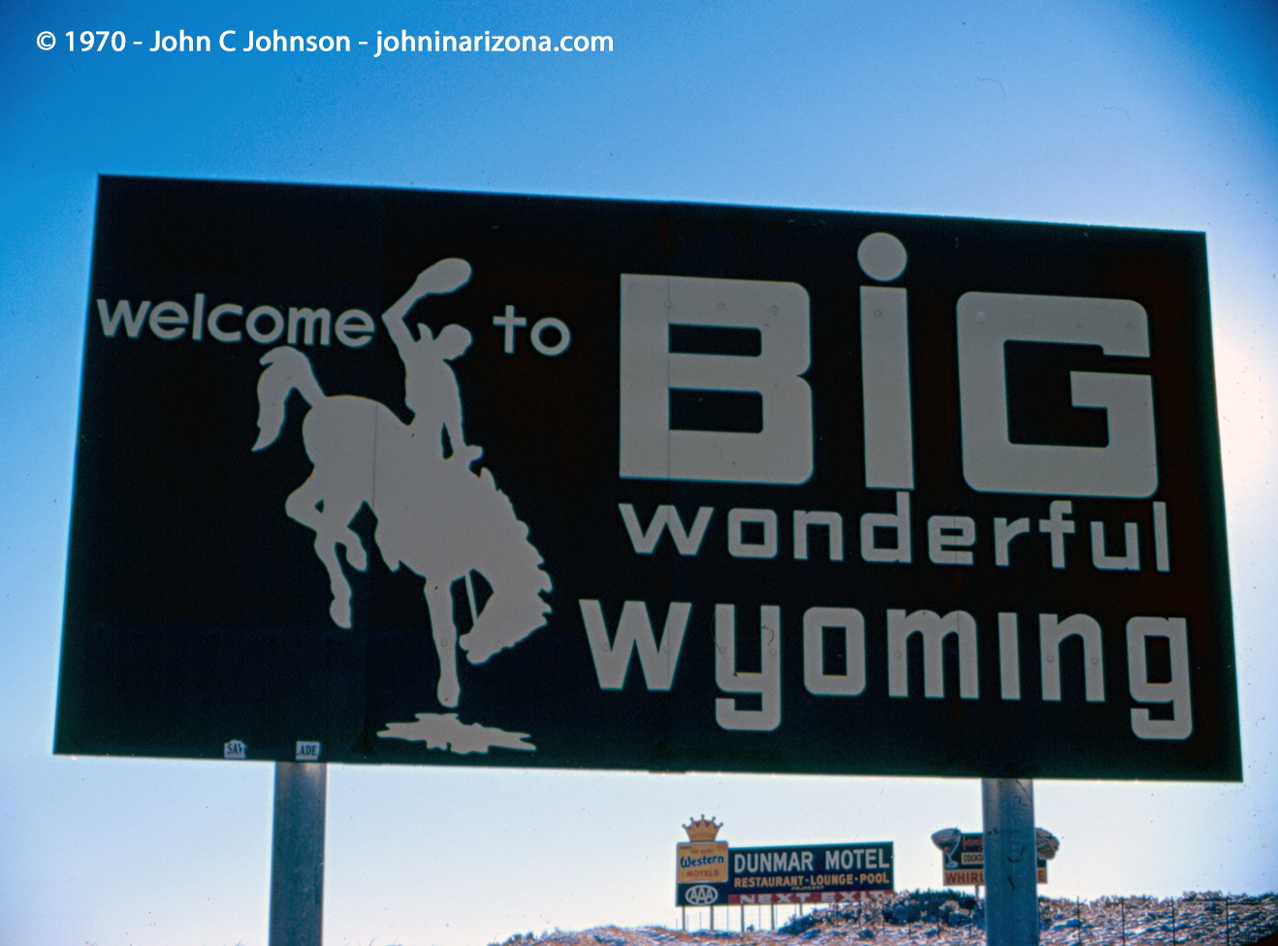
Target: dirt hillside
[{"x": 950, "y": 918}]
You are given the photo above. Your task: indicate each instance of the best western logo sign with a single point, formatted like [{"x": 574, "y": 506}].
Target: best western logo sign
[
  {"x": 663, "y": 486},
  {"x": 705, "y": 863}
]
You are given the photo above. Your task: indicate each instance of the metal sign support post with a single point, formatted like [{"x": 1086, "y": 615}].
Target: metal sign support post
[
  {"x": 1011, "y": 862},
  {"x": 297, "y": 854}
]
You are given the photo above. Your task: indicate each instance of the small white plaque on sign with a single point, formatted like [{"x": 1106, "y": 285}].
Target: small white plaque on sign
[
  {"x": 308, "y": 751},
  {"x": 235, "y": 750}
]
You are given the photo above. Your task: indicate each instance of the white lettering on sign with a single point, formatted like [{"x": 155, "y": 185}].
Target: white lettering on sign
[
  {"x": 1127, "y": 467},
  {"x": 766, "y": 683},
  {"x": 885, "y": 366},
  {"x": 1128, "y": 561},
  {"x": 253, "y": 324},
  {"x": 687, "y": 541},
  {"x": 765, "y": 862},
  {"x": 1009, "y": 656},
  {"x": 1057, "y": 526},
  {"x": 817, "y": 682},
  {"x": 898, "y": 522},
  {"x": 555, "y": 348},
  {"x": 885, "y": 537},
  {"x": 511, "y": 323},
  {"x": 833, "y": 524},
  {"x": 702, "y": 894},
  {"x": 1004, "y": 533},
  {"x": 1162, "y": 551},
  {"x": 215, "y": 320},
  {"x": 850, "y": 858},
  {"x": 1051, "y": 631},
  {"x": 308, "y": 319},
  {"x": 782, "y": 451},
  {"x": 738, "y": 547},
  {"x": 226, "y": 323},
  {"x": 168, "y": 320},
  {"x": 946, "y": 533},
  {"x": 634, "y": 632},
  {"x": 1175, "y": 692},
  {"x": 354, "y": 328},
  {"x": 933, "y": 629},
  {"x": 123, "y": 313}
]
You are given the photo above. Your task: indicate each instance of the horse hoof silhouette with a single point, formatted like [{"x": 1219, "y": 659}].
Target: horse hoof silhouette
[
  {"x": 340, "y": 612},
  {"x": 448, "y": 693}
]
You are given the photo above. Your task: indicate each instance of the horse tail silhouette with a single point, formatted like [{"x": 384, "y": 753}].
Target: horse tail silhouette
[
  {"x": 287, "y": 369},
  {"x": 331, "y": 496},
  {"x": 512, "y": 566}
]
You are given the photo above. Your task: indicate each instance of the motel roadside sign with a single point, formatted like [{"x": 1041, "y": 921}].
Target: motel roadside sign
[
  {"x": 827, "y": 873},
  {"x": 965, "y": 866}
]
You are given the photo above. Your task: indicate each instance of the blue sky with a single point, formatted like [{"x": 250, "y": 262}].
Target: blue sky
[{"x": 1160, "y": 115}]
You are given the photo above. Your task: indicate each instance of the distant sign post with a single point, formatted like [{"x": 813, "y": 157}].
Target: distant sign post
[
  {"x": 810, "y": 874},
  {"x": 965, "y": 866},
  {"x": 800, "y": 874},
  {"x": 436, "y": 478},
  {"x": 701, "y": 874},
  {"x": 709, "y": 873}
]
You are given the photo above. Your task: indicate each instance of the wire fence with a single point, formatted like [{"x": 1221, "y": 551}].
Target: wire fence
[
  {"x": 1195, "y": 918},
  {"x": 951, "y": 918}
]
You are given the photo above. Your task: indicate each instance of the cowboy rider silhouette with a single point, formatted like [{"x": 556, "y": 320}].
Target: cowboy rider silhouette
[{"x": 430, "y": 387}]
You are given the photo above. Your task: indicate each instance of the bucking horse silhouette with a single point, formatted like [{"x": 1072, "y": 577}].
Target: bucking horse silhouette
[{"x": 433, "y": 514}]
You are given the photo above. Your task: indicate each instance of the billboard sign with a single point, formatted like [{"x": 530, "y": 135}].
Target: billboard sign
[
  {"x": 831, "y": 873},
  {"x": 438, "y": 478},
  {"x": 964, "y": 863},
  {"x": 701, "y": 874}
]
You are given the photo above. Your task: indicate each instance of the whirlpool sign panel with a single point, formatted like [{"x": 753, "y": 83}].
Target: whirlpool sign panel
[{"x": 434, "y": 478}]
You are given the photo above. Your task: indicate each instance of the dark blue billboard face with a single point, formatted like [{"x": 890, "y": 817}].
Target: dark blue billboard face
[
  {"x": 434, "y": 478},
  {"x": 821, "y": 874}
]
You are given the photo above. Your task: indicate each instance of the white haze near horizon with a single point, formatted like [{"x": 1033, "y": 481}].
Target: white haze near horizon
[{"x": 1142, "y": 114}]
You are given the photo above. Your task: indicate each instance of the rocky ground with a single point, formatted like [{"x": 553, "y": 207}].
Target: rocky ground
[{"x": 947, "y": 918}]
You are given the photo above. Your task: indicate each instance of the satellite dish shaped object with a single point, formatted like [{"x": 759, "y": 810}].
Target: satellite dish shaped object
[{"x": 1046, "y": 844}]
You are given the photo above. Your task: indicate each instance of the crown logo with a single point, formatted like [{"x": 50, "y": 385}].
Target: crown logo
[{"x": 701, "y": 831}]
